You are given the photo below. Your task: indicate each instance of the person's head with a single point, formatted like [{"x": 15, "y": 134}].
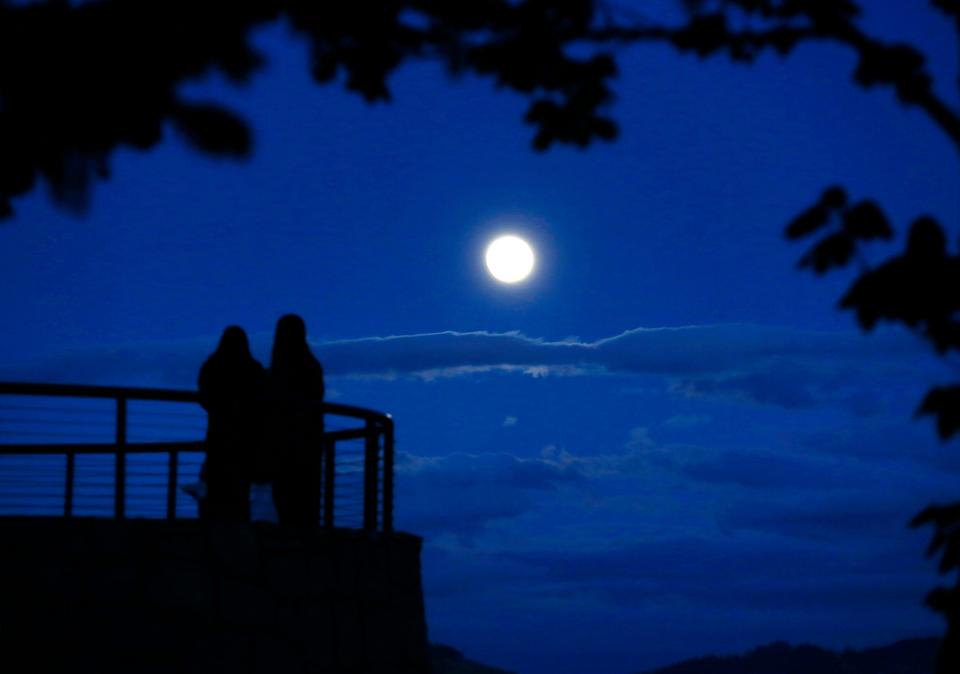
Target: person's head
[
  {"x": 234, "y": 344},
  {"x": 290, "y": 339}
]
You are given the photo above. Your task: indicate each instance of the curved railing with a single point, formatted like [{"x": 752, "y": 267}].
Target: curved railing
[{"x": 132, "y": 452}]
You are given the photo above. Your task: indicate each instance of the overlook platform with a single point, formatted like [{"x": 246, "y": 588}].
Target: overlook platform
[
  {"x": 141, "y": 596},
  {"x": 106, "y": 568},
  {"x": 117, "y": 452}
]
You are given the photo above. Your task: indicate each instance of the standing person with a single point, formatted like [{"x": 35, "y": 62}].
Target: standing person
[
  {"x": 231, "y": 386},
  {"x": 295, "y": 383}
]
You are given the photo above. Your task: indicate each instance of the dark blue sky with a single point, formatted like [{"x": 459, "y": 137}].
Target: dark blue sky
[{"x": 667, "y": 443}]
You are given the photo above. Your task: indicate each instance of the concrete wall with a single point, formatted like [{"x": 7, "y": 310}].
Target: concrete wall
[{"x": 137, "y": 596}]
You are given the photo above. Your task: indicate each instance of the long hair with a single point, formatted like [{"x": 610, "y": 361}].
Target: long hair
[
  {"x": 290, "y": 343},
  {"x": 234, "y": 344},
  {"x": 231, "y": 373},
  {"x": 293, "y": 367}
]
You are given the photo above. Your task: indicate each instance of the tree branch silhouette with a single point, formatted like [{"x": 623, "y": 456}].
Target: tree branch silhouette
[
  {"x": 919, "y": 287},
  {"x": 77, "y": 82},
  {"x": 791, "y": 23}
]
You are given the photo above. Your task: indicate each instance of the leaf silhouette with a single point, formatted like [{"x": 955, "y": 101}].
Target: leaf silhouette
[
  {"x": 213, "y": 129},
  {"x": 944, "y": 403},
  {"x": 866, "y": 221},
  {"x": 832, "y": 251}
]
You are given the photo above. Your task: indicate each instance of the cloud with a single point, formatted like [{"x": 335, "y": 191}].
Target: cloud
[
  {"x": 686, "y": 421},
  {"x": 767, "y": 470},
  {"x": 768, "y": 387},
  {"x": 677, "y": 527},
  {"x": 839, "y": 498},
  {"x": 639, "y": 438},
  {"x": 682, "y": 351},
  {"x": 847, "y": 515},
  {"x": 744, "y": 571},
  {"x": 748, "y": 363},
  {"x": 461, "y": 494},
  {"x": 509, "y": 421}
]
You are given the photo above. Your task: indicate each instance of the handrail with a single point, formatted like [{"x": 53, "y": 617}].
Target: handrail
[
  {"x": 94, "y": 391},
  {"x": 160, "y": 394},
  {"x": 376, "y": 432}
]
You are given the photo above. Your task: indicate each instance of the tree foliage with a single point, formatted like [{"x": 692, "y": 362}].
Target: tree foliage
[
  {"x": 918, "y": 287},
  {"x": 77, "y": 82}
]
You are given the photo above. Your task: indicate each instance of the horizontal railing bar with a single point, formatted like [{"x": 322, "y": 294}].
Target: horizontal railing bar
[
  {"x": 345, "y": 434},
  {"x": 33, "y": 494},
  {"x": 107, "y": 448},
  {"x": 160, "y": 474},
  {"x": 135, "y": 426},
  {"x": 180, "y": 413},
  {"x": 10, "y": 476},
  {"x": 355, "y": 412},
  {"x": 59, "y": 422},
  {"x": 52, "y": 434},
  {"x": 52, "y": 481},
  {"x": 87, "y": 391},
  {"x": 91, "y": 485},
  {"x": 54, "y": 510},
  {"x": 171, "y": 395},
  {"x": 85, "y": 411}
]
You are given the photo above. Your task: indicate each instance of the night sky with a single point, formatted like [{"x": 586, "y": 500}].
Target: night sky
[{"x": 667, "y": 443}]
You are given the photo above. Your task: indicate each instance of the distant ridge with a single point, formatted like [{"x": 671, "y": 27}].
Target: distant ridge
[
  {"x": 447, "y": 660},
  {"x": 910, "y": 656}
]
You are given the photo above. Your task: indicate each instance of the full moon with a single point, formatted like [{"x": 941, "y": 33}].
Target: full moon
[{"x": 509, "y": 259}]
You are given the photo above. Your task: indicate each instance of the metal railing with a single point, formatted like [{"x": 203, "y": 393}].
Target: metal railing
[{"x": 127, "y": 452}]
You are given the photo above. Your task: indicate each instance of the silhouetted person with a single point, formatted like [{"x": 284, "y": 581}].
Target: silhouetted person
[
  {"x": 295, "y": 383},
  {"x": 232, "y": 386}
]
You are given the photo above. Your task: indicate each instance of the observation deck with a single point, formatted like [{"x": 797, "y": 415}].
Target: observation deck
[
  {"x": 117, "y": 452},
  {"x": 107, "y": 568}
]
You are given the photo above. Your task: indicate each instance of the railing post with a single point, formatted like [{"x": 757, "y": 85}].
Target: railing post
[
  {"x": 370, "y": 461},
  {"x": 172, "y": 469},
  {"x": 329, "y": 473},
  {"x": 68, "y": 487},
  {"x": 388, "y": 476},
  {"x": 120, "y": 473}
]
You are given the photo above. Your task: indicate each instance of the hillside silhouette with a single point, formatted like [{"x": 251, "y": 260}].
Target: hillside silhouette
[
  {"x": 909, "y": 656},
  {"x": 448, "y": 660},
  {"x": 63, "y": 119}
]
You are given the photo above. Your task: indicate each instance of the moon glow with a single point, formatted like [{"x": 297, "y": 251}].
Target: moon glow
[{"x": 509, "y": 258}]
